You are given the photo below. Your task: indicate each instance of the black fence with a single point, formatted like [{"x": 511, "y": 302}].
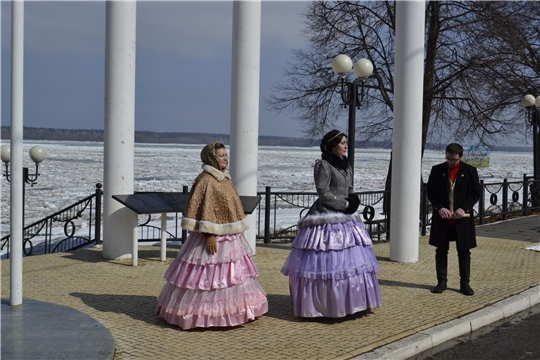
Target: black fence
[
  {"x": 81, "y": 224},
  {"x": 274, "y": 205},
  {"x": 277, "y": 216},
  {"x": 504, "y": 199}
]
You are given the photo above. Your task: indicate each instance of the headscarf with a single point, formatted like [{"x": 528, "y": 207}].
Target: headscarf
[{"x": 208, "y": 154}]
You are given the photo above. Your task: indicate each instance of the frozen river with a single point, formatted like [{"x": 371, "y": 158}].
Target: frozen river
[{"x": 72, "y": 169}]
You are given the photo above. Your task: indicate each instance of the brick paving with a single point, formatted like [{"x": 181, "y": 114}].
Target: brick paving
[{"x": 123, "y": 299}]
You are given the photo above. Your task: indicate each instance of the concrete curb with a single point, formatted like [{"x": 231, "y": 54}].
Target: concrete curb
[{"x": 437, "y": 335}]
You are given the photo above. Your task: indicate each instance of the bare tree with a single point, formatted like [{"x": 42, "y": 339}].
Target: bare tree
[
  {"x": 508, "y": 42},
  {"x": 480, "y": 59}
]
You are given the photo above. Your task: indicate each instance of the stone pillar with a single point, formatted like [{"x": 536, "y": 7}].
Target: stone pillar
[
  {"x": 119, "y": 222},
  {"x": 16, "y": 150},
  {"x": 246, "y": 53},
  {"x": 407, "y": 131}
]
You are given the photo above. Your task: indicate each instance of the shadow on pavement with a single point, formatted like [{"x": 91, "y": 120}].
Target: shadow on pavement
[
  {"x": 392, "y": 283},
  {"x": 142, "y": 308}
]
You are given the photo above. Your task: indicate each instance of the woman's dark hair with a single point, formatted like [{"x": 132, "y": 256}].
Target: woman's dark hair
[{"x": 331, "y": 139}]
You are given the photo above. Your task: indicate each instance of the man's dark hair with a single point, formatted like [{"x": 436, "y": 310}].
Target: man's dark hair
[{"x": 454, "y": 148}]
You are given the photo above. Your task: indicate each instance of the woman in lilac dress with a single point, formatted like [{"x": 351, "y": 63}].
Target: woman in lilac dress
[
  {"x": 332, "y": 268},
  {"x": 213, "y": 280}
]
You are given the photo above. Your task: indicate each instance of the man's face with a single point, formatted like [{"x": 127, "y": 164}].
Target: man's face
[{"x": 452, "y": 160}]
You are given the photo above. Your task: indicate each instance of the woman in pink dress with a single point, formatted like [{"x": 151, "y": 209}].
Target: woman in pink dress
[{"x": 212, "y": 282}]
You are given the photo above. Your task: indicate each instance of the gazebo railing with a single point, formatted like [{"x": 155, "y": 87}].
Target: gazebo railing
[{"x": 277, "y": 215}]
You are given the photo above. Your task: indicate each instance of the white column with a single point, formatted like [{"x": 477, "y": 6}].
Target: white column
[
  {"x": 16, "y": 149},
  {"x": 118, "y": 221},
  {"x": 407, "y": 131},
  {"x": 246, "y": 53}
]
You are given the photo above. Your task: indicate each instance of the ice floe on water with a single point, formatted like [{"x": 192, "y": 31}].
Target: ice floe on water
[{"x": 72, "y": 170}]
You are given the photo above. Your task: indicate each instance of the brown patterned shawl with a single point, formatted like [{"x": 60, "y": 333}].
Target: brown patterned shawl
[{"x": 214, "y": 205}]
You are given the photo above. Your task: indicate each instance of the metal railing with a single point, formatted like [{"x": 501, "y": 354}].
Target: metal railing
[
  {"x": 504, "y": 199},
  {"x": 149, "y": 232},
  {"x": 81, "y": 224},
  {"x": 298, "y": 203}
]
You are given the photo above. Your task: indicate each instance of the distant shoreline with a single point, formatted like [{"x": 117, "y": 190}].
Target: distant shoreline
[{"x": 150, "y": 137}]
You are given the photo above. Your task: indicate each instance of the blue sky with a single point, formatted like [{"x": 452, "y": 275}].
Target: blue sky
[{"x": 183, "y": 65}]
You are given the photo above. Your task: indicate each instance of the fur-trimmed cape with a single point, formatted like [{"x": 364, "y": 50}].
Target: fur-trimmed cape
[{"x": 214, "y": 205}]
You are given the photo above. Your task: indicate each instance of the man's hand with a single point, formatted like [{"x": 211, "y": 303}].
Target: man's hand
[
  {"x": 458, "y": 214},
  {"x": 211, "y": 244},
  {"x": 444, "y": 213}
]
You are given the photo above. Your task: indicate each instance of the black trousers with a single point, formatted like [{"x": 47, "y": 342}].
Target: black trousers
[{"x": 452, "y": 236}]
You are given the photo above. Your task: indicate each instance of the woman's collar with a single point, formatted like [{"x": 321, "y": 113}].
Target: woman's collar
[{"x": 217, "y": 174}]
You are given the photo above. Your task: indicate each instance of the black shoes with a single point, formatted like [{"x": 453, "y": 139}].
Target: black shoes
[
  {"x": 465, "y": 289},
  {"x": 464, "y": 273},
  {"x": 441, "y": 286}
]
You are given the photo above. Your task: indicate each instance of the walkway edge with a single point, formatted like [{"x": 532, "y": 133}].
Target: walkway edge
[{"x": 427, "y": 339}]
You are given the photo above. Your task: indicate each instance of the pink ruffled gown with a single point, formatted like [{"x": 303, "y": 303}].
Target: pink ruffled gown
[{"x": 219, "y": 290}]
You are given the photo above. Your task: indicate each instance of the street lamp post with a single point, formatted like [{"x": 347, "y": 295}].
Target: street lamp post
[
  {"x": 37, "y": 154},
  {"x": 363, "y": 68},
  {"x": 533, "y": 118}
]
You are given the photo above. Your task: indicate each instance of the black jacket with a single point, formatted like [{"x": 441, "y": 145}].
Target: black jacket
[{"x": 467, "y": 192}]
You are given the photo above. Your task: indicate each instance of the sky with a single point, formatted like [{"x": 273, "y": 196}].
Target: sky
[{"x": 183, "y": 64}]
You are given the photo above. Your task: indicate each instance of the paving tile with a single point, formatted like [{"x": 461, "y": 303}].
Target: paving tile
[{"x": 122, "y": 299}]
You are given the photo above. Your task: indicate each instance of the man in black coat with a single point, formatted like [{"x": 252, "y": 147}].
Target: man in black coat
[{"x": 453, "y": 188}]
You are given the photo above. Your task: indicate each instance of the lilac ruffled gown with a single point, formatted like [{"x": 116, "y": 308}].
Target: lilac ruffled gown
[
  {"x": 204, "y": 290},
  {"x": 332, "y": 268}
]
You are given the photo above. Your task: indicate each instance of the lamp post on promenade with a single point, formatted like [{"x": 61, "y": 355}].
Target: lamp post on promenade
[
  {"x": 37, "y": 154},
  {"x": 533, "y": 118},
  {"x": 363, "y": 68}
]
